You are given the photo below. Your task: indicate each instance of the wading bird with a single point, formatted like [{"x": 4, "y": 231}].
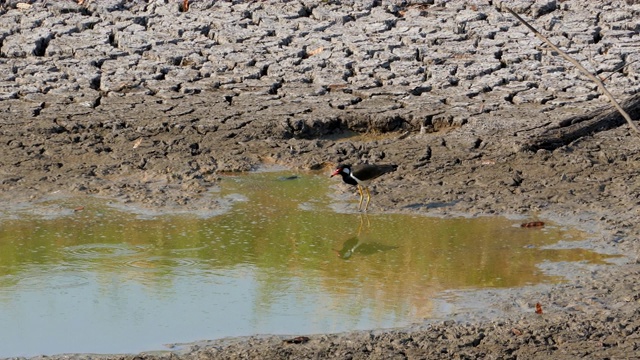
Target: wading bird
[{"x": 361, "y": 175}]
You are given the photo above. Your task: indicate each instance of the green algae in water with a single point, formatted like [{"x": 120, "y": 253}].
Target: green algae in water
[{"x": 280, "y": 261}]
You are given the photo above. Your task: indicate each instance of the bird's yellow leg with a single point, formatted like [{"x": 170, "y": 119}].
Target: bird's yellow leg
[
  {"x": 361, "y": 196},
  {"x": 368, "y": 198}
]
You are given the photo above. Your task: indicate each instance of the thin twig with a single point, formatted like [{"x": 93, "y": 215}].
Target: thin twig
[
  {"x": 594, "y": 78},
  {"x": 618, "y": 69}
]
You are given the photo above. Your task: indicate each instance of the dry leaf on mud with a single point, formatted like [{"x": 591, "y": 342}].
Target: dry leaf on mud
[
  {"x": 532, "y": 224},
  {"x": 538, "y": 309},
  {"x": 137, "y": 143},
  {"x": 315, "y": 51},
  {"x": 23, "y": 6},
  {"x": 185, "y": 5},
  {"x": 79, "y": 208},
  {"x": 516, "y": 332}
]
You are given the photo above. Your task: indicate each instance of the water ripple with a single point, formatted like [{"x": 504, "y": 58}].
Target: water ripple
[
  {"x": 97, "y": 251},
  {"x": 161, "y": 263}
]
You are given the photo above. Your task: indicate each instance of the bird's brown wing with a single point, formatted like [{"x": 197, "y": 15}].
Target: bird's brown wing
[{"x": 367, "y": 172}]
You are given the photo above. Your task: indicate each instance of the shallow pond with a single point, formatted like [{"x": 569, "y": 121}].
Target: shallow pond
[{"x": 279, "y": 260}]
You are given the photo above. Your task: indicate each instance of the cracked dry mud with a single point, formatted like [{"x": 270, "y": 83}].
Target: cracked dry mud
[{"x": 139, "y": 102}]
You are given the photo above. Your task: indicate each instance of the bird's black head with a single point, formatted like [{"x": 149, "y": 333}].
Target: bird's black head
[
  {"x": 345, "y": 172},
  {"x": 340, "y": 170}
]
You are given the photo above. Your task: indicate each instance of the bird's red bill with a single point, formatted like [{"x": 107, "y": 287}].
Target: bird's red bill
[{"x": 335, "y": 172}]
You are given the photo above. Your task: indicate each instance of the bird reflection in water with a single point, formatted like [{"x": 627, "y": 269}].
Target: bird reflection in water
[{"x": 356, "y": 244}]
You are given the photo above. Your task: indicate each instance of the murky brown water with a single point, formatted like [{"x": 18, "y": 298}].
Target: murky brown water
[{"x": 279, "y": 261}]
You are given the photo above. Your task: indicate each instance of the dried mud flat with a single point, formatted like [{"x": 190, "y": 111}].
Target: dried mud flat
[{"x": 144, "y": 103}]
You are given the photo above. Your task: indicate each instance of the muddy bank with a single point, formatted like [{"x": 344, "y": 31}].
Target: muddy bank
[{"x": 141, "y": 102}]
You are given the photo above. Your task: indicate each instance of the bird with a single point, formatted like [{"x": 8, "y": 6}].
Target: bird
[{"x": 361, "y": 175}]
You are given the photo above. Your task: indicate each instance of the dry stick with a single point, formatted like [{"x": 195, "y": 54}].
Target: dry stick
[
  {"x": 581, "y": 68},
  {"x": 618, "y": 69}
]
